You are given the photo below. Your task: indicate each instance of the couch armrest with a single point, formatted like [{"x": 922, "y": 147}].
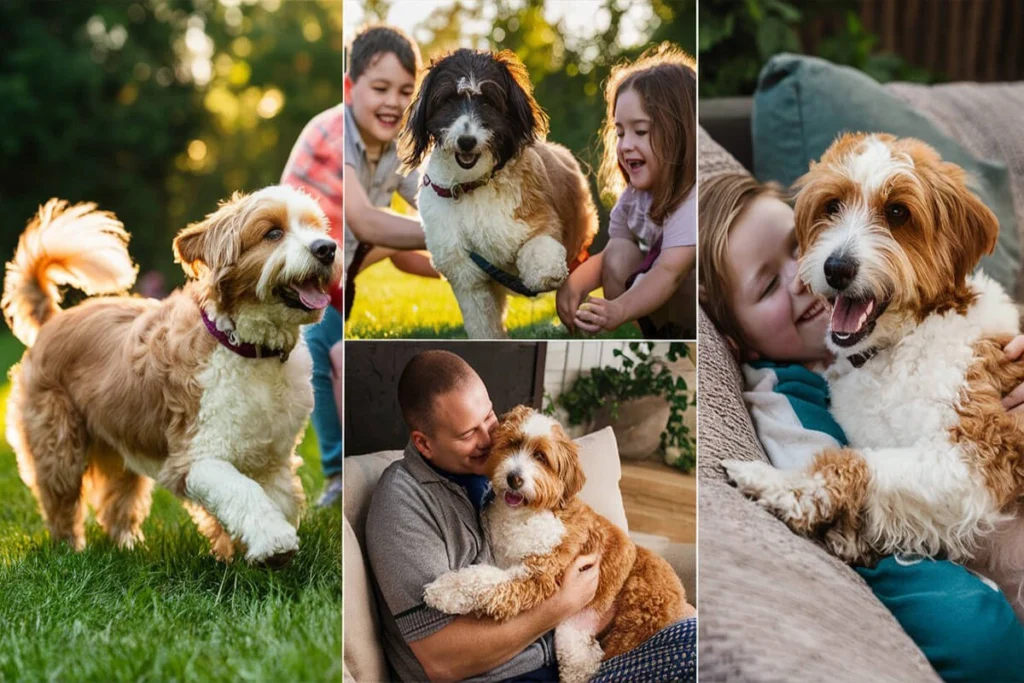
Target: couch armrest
[
  {"x": 683, "y": 558},
  {"x": 727, "y": 120}
]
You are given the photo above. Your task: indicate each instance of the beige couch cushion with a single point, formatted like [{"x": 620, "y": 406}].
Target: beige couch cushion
[
  {"x": 361, "y": 475},
  {"x": 364, "y": 659},
  {"x": 599, "y": 455},
  {"x": 774, "y": 606},
  {"x": 714, "y": 159}
]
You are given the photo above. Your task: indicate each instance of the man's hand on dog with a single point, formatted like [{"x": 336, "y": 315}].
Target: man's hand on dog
[
  {"x": 1014, "y": 401},
  {"x": 579, "y": 583}
]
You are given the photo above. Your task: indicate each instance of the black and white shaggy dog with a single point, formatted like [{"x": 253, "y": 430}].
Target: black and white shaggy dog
[{"x": 493, "y": 186}]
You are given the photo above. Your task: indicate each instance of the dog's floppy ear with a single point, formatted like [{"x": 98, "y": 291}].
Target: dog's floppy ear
[
  {"x": 569, "y": 469},
  {"x": 528, "y": 120},
  {"x": 517, "y": 414},
  {"x": 971, "y": 224},
  {"x": 210, "y": 243},
  {"x": 810, "y": 196},
  {"x": 817, "y": 186},
  {"x": 414, "y": 140}
]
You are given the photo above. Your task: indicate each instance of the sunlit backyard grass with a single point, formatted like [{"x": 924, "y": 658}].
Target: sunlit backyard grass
[
  {"x": 166, "y": 611},
  {"x": 396, "y": 305}
]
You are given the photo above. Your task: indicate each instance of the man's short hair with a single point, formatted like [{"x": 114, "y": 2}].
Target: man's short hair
[
  {"x": 375, "y": 41},
  {"x": 427, "y": 375}
]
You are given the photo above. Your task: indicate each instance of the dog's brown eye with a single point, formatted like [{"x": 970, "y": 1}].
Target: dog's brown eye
[
  {"x": 540, "y": 457},
  {"x": 897, "y": 214},
  {"x": 274, "y": 234},
  {"x": 832, "y": 207}
]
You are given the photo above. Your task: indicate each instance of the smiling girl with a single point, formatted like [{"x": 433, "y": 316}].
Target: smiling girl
[{"x": 650, "y": 163}]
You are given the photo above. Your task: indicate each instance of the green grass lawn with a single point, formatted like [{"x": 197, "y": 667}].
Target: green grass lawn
[
  {"x": 168, "y": 610},
  {"x": 396, "y": 305}
]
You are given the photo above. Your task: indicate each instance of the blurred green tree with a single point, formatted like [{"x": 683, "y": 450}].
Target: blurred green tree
[
  {"x": 737, "y": 37},
  {"x": 156, "y": 109}
]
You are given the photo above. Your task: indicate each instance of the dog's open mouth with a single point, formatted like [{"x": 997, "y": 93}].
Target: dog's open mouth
[
  {"x": 853, "y": 319},
  {"x": 466, "y": 161},
  {"x": 513, "y": 499},
  {"x": 305, "y": 296}
]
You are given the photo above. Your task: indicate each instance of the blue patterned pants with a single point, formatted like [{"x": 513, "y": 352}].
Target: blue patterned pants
[{"x": 671, "y": 655}]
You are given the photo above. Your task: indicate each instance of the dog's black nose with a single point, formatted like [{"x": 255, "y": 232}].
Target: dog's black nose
[
  {"x": 514, "y": 481},
  {"x": 840, "y": 271},
  {"x": 466, "y": 143},
  {"x": 324, "y": 251}
]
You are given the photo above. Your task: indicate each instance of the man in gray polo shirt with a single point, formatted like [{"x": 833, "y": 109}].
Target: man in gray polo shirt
[{"x": 423, "y": 522}]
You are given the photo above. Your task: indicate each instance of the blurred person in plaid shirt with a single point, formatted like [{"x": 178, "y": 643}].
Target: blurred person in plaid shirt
[
  {"x": 383, "y": 63},
  {"x": 315, "y": 165}
]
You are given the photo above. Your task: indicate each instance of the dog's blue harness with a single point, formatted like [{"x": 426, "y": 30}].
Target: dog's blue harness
[
  {"x": 455, "y": 193},
  {"x": 501, "y": 277}
]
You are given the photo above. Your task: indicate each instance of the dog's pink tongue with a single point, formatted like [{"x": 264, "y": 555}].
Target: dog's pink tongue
[
  {"x": 513, "y": 499},
  {"x": 311, "y": 296},
  {"x": 848, "y": 317}
]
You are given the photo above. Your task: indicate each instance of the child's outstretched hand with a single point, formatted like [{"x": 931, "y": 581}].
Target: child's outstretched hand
[
  {"x": 596, "y": 314},
  {"x": 567, "y": 300},
  {"x": 1014, "y": 401}
]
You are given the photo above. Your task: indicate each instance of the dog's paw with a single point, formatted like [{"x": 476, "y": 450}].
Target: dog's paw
[
  {"x": 463, "y": 591},
  {"x": 578, "y": 652},
  {"x": 278, "y": 560},
  {"x": 796, "y": 498},
  {"x": 538, "y": 281},
  {"x": 273, "y": 546},
  {"x": 127, "y": 539},
  {"x": 749, "y": 476},
  {"x": 542, "y": 264}
]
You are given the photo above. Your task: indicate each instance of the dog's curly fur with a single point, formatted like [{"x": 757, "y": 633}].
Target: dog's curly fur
[
  {"x": 120, "y": 391},
  {"x": 537, "y": 526},
  {"x": 935, "y": 464},
  {"x": 475, "y": 119}
]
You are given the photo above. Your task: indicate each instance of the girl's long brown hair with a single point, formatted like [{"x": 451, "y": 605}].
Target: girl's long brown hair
[{"x": 665, "y": 78}]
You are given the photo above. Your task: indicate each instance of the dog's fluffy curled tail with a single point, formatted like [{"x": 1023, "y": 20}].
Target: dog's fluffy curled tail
[{"x": 77, "y": 246}]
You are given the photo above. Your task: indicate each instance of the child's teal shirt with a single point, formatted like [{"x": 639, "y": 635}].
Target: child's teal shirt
[{"x": 965, "y": 626}]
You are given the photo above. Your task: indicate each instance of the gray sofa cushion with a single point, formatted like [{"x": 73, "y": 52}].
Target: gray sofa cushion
[
  {"x": 713, "y": 158},
  {"x": 775, "y": 606}
]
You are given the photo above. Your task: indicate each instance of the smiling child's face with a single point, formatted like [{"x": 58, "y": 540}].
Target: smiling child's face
[
  {"x": 779, "y": 316},
  {"x": 379, "y": 97},
  {"x": 633, "y": 129}
]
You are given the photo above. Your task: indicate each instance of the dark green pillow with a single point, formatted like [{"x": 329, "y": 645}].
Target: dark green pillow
[{"x": 803, "y": 103}]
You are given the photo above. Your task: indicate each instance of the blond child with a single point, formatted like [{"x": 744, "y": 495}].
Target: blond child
[{"x": 777, "y": 329}]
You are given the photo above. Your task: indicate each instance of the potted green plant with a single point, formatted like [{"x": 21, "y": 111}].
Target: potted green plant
[{"x": 644, "y": 386}]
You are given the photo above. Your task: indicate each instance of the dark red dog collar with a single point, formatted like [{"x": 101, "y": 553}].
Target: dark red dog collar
[
  {"x": 455, "y": 191},
  {"x": 245, "y": 350}
]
